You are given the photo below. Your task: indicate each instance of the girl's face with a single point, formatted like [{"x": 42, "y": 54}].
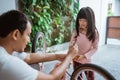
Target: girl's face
[{"x": 83, "y": 23}]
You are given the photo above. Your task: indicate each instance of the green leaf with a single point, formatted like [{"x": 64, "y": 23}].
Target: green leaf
[
  {"x": 36, "y": 14},
  {"x": 34, "y": 2},
  {"x": 46, "y": 7}
]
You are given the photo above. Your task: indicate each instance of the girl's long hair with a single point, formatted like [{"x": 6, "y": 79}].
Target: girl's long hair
[{"x": 87, "y": 13}]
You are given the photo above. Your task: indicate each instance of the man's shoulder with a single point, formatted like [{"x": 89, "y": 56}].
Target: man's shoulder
[
  {"x": 6, "y": 58},
  {"x": 3, "y": 55},
  {"x": 20, "y": 55}
]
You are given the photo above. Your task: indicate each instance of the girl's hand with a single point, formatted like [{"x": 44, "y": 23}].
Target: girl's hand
[{"x": 78, "y": 57}]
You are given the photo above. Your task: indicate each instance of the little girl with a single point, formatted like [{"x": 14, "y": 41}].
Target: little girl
[{"x": 86, "y": 37}]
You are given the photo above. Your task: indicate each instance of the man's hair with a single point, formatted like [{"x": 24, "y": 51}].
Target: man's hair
[{"x": 11, "y": 20}]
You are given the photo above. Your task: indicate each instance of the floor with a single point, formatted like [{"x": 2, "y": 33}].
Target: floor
[
  {"x": 107, "y": 56},
  {"x": 113, "y": 41}
]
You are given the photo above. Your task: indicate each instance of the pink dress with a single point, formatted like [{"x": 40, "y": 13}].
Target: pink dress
[{"x": 85, "y": 47}]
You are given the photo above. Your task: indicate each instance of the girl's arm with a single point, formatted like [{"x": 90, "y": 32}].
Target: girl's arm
[{"x": 94, "y": 47}]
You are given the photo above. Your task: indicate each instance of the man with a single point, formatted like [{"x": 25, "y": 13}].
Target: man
[{"x": 15, "y": 29}]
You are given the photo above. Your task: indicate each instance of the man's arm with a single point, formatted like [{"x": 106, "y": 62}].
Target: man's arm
[
  {"x": 59, "y": 71},
  {"x": 36, "y": 58}
]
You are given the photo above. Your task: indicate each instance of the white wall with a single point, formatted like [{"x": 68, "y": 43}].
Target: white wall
[
  {"x": 6, "y": 5},
  {"x": 117, "y": 8},
  {"x": 100, "y": 9}
]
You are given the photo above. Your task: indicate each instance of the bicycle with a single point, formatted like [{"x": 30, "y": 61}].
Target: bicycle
[{"x": 100, "y": 72}]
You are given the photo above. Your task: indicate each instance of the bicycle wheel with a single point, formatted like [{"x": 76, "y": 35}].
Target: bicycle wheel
[
  {"x": 39, "y": 43},
  {"x": 39, "y": 46},
  {"x": 99, "y": 73}
]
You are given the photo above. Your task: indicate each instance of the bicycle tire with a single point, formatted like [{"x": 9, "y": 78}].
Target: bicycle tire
[
  {"x": 38, "y": 66},
  {"x": 95, "y": 68},
  {"x": 38, "y": 35}
]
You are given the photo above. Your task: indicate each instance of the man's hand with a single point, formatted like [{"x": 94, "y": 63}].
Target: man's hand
[{"x": 73, "y": 49}]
